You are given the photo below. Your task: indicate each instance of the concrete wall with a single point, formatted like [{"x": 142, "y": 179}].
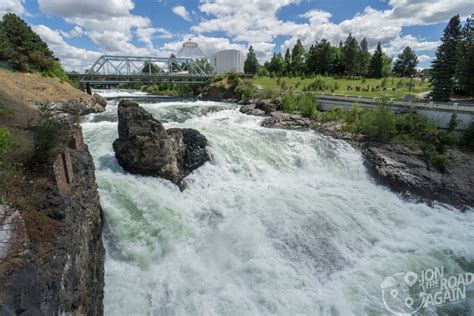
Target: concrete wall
[{"x": 440, "y": 113}]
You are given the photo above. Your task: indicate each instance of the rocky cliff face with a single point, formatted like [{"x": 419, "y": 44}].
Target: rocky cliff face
[
  {"x": 59, "y": 269},
  {"x": 145, "y": 147}
]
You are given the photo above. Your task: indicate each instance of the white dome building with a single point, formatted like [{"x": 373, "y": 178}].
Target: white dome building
[{"x": 227, "y": 61}]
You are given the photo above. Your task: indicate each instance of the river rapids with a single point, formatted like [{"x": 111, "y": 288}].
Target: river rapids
[{"x": 277, "y": 223}]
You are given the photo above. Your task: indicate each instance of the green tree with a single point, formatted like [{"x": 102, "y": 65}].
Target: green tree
[
  {"x": 25, "y": 50},
  {"x": 251, "y": 63},
  {"x": 320, "y": 58},
  {"x": 363, "y": 58},
  {"x": 276, "y": 64},
  {"x": 287, "y": 61},
  {"x": 349, "y": 52},
  {"x": 376, "y": 63},
  {"x": 466, "y": 59},
  {"x": 149, "y": 67},
  {"x": 444, "y": 65},
  {"x": 297, "y": 58},
  {"x": 405, "y": 64},
  {"x": 204, "y": 64}
]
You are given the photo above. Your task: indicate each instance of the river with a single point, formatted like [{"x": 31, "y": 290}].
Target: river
[{"x": 278, "y": 222}]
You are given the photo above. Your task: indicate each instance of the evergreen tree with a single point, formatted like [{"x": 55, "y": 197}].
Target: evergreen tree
[
  {"x": 22, "y": 48},
  {"x": 321, "y": 57},
  {"x": 349, "y": 52},
  {"x": 377, "y": 63},
  {"x": 297, "y": 58},
  {"x": 405, "y": 64},
  {"x": 251, "y": 63},
  {"x": 363, "y": 58},
  {"x": 466, "y": 59},
  {"x": 276, "y": 64},
  {"x": 444, "y": 65},
  {"x": 287, "y": 61}
]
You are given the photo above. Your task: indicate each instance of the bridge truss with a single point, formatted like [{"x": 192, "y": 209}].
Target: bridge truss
[{"x": 109, "y": 70}]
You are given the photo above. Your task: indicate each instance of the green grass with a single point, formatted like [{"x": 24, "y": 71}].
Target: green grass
[{"x": 339, "y": 85}]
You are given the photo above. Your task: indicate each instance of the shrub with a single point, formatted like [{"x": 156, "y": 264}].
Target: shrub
[
  {"x": 218, "y": 77},
  {"x": 453, "y": 122},
  {"x": 378, "y": 123},
  {"x": 6, "y": 141},
  {"x": 245, "y": 90},
  {"x": 288, "y": 103},
  {"x": 336, "y": 114},
  {"x": 46, "y": 135},
  {"x": 307, "y": 105}
]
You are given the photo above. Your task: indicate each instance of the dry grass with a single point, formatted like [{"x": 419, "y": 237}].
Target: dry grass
[{"x": 32, "y": 88}]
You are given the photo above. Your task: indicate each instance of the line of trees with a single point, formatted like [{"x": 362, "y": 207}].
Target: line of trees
[
  {"x": 453, "y": 68},
  {"x": 350, "y": 58}
]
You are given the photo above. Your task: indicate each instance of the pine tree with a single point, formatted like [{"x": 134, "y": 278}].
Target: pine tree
[
  {"x": 287, "y": 61},
  {"x": 27, "y": 51},
  {"x": 349, "y": 52},
  {"x": 466, "y": 59},
  {"x": 444, "y": 65},
  {"x": 251, "y": 63},
  {"x": 321, "y": 58},
  {"x": 405, "y": 64},
  {"x": 297, "y": 58},
  {"x": 377, "y": 63},
  {"x": 363, "y": 58},
  {"x": 276, "y": 64}
]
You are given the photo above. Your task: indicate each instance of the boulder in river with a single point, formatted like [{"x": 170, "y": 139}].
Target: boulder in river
[{"x": 145, "y": 147}]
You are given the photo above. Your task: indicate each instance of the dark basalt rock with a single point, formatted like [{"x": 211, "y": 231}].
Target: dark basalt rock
[
  {"x": 406, "y": 171},
  {"x": 145, "y": 147},
  {"x": 287, "y": 121}
]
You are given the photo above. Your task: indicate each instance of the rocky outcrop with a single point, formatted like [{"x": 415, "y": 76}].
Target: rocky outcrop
[
  {"x": 71, "y": 108},
  {"x": 219, "y": 91},
  {"x": 56, "y": 266},
  {"x": 145, "y": 147},
  {"x": 287, "y": 121},
  {"x": 406, "y": 171},
  {"x": 99, "y": 99}
]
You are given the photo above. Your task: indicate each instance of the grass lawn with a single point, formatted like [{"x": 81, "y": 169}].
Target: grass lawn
[{"x": 340, "y": 85}]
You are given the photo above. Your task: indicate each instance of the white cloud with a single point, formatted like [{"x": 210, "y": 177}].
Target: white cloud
[
  {"x": 71, "y": 57},
  {"x": 182, "y": 12},
  {"x": 89, "y": 8},
  {"x": 424, "y": 58},
  {"x": 77, "y": 31},
  {"x": 108, "y": 23},
  {"x": 13, "y": 6}
]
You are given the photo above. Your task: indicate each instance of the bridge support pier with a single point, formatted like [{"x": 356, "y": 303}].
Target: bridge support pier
[{"x": 88, "y": 88}]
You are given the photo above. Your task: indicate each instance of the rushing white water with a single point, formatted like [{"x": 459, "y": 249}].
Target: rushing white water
[{"x": 279, "y": 222}]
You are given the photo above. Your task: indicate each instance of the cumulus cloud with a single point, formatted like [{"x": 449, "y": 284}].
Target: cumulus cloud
[
  {"x": 83, "y": 8},
  {"x": 108, "y": 23},
  {"x": 13, "y": 6},
  {"x": 182, "y": 12},
  {"x": 71, "y": 57}
]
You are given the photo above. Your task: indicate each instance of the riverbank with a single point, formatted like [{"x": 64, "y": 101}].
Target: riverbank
[
  {"x": 51, "y": 251},
  {"x": 405, "y": 170}
]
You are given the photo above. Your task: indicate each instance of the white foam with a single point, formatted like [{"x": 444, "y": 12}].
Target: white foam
[{"x": 278, "y": 222}]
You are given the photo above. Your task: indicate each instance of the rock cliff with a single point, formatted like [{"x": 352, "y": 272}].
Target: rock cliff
[
  {"x": 59, "y": 269},
  {"x": 145, "y": 147}
]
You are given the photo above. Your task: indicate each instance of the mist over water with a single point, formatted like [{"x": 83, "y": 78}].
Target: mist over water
[{"x": 278, "y": 222}]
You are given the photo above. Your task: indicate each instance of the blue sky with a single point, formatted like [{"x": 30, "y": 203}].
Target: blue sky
[{"x": 80, "y": 31}]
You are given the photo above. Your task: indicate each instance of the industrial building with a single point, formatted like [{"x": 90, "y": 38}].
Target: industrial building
[{"x": 227, "y": 61}]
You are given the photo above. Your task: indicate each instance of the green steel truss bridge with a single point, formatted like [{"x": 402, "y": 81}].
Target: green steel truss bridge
[{"x": 113, "y": 70}]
